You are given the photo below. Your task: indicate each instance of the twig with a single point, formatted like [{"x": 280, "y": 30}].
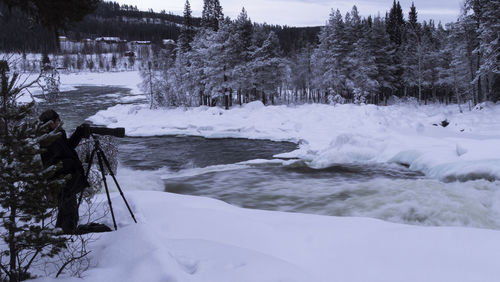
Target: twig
[
  {"x": 70, "y": 261},
  {"x": 5, "y": 270},
  {"x": 31, "y": 260}
]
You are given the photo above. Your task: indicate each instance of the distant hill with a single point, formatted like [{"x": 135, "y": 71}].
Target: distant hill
[{"x": 17, "y": 34}]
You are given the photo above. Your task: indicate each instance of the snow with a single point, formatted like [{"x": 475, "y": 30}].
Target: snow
[
  {"x": 327, "y": 134},
  {"x": 127, "y": 79},
  {"x": 186, "y": 238}
]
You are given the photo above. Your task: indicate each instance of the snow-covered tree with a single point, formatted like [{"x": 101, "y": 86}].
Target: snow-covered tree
[
  {"x": 364, "y": 69},
  {"x": 455, "y": 71},
  {"x": 241, "y": 44},
  {"x": 489, "y": 43},
  {"x": 330, "y": 57},
  {"x": 266, "y": 68},
  {"x": 383, "y": 52}
]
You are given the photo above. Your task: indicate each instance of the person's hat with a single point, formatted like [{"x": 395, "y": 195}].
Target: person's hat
[{"x": 48, "y": 115}]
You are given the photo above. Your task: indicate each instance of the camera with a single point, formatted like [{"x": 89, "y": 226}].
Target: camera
[{"x": 89, "y": 130}]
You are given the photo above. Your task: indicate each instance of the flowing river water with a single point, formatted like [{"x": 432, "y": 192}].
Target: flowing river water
[{"x": 245, "y": 173}]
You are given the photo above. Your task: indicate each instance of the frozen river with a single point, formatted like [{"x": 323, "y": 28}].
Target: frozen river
[{"x": 245, "y": 173}]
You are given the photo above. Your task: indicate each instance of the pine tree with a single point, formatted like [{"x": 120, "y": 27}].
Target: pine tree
[
  {"x": 28, "y": 191},
  {"x": 456, "y": 71},
  {"x": 383, "y": 52},
  {"x": 395, "y": 23},
  {"x": 354, "y": 54},
  {"x": 217, "y": 63},
  {"x": 196, "y": 68},
  {"x": 266, "y": 67},
  {"x": 319, "y": 57},
  {"x": 212, "y": 14},
  {"x": 330, "y": 58},
  {"x": 239, "y": 44},
  {"x": 489, "y": 46},
  {"x": 468, "y": 26},
  {"x": 365, "y": 71},
  {"x": 414, "y": 50},
  {"x": 412, "y": 17},
  {"x": 187, "y": 30}
]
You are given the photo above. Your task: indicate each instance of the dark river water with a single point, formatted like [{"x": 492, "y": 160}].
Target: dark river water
[
  {"x": 182, "y": 152},
  {"x": 246, "y": 173}
]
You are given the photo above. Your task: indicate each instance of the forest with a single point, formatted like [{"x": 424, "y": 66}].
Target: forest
[
  {"x": 356, "y": 60},
  {"x": 221, "y": 61}
]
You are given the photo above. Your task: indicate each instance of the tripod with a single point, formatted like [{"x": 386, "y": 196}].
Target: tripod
[{"x": 101, "y": 159}]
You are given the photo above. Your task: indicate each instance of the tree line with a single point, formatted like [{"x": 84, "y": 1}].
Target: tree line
[
  {"x": 355, "y": 60},
  {"x": 19, "y": 33}
]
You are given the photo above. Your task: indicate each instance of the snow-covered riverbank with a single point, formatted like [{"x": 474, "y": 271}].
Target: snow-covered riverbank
[{"x": 405, "y": 133}]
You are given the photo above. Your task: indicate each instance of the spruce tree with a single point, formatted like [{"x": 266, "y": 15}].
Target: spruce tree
[
  {"x": 489, "y": 47},
  {"x": 395, "y": 23},
  {"x": 266, "y": 67},
  {"x": 365, "y": 71},
  {"x": 240, "y": 44},
  {"x": 187, "y": 30},
  {"x": 28, "y": 191},
  {"x": 335, "y": 49},
  {"x": 320, "y": 57},
  {"x": 217, "y": 63},
  {"x": 412, "y": 17},
  {"x": 395, "y": 26},
  {"x": 413, "y": 52},
  {"x": 384, "y": 59},
  {"x": 212, "y": 14}
]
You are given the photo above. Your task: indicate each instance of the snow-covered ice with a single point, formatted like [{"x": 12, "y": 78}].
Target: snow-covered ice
[{"x": 128, "y": 79}]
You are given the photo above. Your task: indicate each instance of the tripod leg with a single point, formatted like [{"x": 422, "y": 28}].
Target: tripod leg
[
  {"x": 101, "y": 167},
  {"x": 92, "y": 154},
  {"x": 106, "y": 162}
]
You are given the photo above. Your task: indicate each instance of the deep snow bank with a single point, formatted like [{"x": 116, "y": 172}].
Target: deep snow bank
[
  {"x": 186, "y": 238},
  {"x": 408, "y": 134}
]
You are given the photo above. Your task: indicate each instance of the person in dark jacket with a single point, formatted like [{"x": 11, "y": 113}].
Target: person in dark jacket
[{"x": 62, "y": 150}]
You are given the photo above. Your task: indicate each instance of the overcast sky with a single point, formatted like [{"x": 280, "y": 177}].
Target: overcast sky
[{"x": 307, "y": 12}]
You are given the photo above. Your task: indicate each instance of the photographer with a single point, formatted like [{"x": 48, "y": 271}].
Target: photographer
[{"x": 62, "y": 150}]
